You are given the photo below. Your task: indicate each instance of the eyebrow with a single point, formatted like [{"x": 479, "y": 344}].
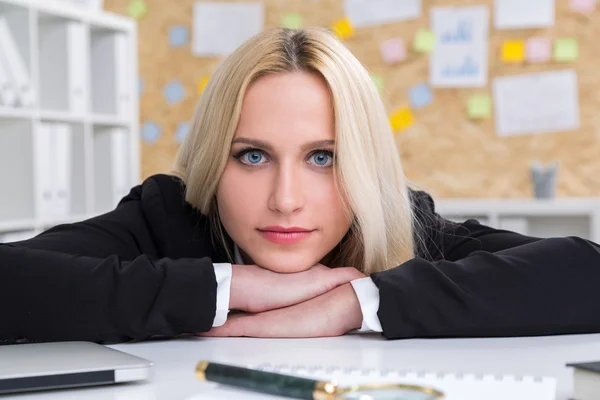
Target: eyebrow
[{"x": 264, "y": 145}]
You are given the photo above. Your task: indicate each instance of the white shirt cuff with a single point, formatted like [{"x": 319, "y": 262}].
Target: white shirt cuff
[
  {"x": 368, "y": 297},
  {"x": 223, "y": 275}
]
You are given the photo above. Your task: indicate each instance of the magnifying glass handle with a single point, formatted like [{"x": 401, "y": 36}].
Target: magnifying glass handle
[{"x": 266, "y": 382}]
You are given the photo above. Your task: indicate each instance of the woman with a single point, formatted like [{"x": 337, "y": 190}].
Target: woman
[{"x": 289, "y": 206}]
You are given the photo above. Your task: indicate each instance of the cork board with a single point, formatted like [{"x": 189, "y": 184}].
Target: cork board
[{"x": 444, "y": 152}]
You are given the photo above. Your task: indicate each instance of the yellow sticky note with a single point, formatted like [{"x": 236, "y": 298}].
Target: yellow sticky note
[
  {"x": 565, "y": 50},
  {"x": 202, "y": 84},
  {"x": 424, "y": 41},
  {"x": 378, "y": 81},
  {"x": 480, "y": 106},
  {"x": 343, "y": 28},
  {"x": 402, "y": 119},
  {"x": 292, "y": 21},
  {"x": 513, "y": 51},
  {"x": 137, "y": 9}
]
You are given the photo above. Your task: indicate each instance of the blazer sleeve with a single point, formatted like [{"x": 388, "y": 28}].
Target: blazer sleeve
[
  {"x": 98, "y": 280},
  {"x": 485, "y": 282}
]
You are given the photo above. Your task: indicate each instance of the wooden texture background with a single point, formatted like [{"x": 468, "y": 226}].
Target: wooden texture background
[{"x": 444, "y": 152}]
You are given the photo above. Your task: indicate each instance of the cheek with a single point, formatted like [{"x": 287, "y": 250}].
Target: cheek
[{"x": 238, "y": 197}]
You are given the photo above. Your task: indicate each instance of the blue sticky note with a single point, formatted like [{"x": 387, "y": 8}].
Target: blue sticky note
[
  {"x": 178, "y": 36},
  {"x": 151, "y": 132},
  {"x": 420, "y": 95},
  {"x": 182, "y": 130},
  {"x": 141, "y": 86},
  {"x": 174, "y": 92}
]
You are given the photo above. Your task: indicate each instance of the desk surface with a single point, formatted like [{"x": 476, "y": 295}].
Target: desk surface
[{"x": 175, "y": 360}]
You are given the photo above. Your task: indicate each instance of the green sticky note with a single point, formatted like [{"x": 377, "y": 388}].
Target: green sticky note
[
  {"x": 424, "y": 41},
  {"x": 292, "y": 21},
  {"x": 137, "y": 9},
  {"x": 480, "y": 106},
  {"x": 378, "y": 81},
  {"x": 566, "y": 49}
]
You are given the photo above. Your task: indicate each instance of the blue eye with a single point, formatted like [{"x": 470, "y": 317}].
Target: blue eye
[
  {"x": 253, "y": 157},
  {"x": 322, "y": 158},
  {"x": 250, "y": 157}
]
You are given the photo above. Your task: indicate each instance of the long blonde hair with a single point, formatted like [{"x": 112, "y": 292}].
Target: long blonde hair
[{"x": 367, "y": 168}]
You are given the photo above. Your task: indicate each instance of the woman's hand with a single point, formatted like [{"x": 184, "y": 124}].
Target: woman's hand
[
  {"x": 331, "y": 314},
  {"x": 255, "y": 289}
]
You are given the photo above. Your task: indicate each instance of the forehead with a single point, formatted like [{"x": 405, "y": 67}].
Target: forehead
[{"x": 291, "y": 107}]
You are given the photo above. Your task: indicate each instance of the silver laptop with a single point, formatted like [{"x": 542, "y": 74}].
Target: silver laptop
[{"x": 42, "y": 366}]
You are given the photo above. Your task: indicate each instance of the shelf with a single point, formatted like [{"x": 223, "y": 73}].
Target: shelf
[
  {"x": 16, "y": 225},
  {"x": 61, "y": 116},
  {"x": 108, "y": 120},
  {"x": 16, "y": 112}
]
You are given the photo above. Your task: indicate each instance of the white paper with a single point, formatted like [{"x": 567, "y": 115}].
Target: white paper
[
  {"x": 518, "y": 14},
  {"x": 220, "y": 28},
  {"x": 364, "y": 13},
  {"x": 536, "y": 103},
  {"x": 460, "y": 57}
]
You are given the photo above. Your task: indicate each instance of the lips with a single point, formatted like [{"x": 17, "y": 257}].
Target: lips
[{"x": 285, "y": 235}]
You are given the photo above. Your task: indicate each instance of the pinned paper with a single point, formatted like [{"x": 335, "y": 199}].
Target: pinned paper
[
  {"x": 343, "y": 28},
  {"x": 202, "y": 84},
  {"x": 402, "y": 119},
  {"x": 565, "y": 50},
  {"x": 220, "y": 28},
  {"x": 393, "y": 50},
  {"x": 150, "y": 132},
  {"x": 420, "y": 96},
  {"x": 137, "y": 9},
  {"x": 522, "y": 14},
  {"x": 513, "y": 51},
  {"x": 378, "y": 12},
  {"x": 583, "y": 6},
  {"x": 182, "y": 131},
  {"x": 178, "y": 36},
  {"x": 424, "y": 41},
  {"x": 292, "y": 21},
  {"x": 174, "y": 92},
  {"x": 378, "y": 81},
  {"x": 141, "y": 86},
  {"x": 538, "y": 49},
  {"x": 480, "y": 106},
  {"x": 460, "y": 57},
  {"x": 536, "y": 103}
]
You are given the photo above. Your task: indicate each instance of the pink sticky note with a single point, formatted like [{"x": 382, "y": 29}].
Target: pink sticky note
[
  {"x": 538, "y": 50},
  {"x": 584, "y": 6},
  {"x": 393, "y": 50}
]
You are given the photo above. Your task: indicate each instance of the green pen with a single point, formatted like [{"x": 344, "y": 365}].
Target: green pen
[{"x": 309, "y": 389}]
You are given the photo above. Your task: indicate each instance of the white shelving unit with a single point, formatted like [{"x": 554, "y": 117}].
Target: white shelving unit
[
  {"x": 542, "y": 218},
  {"x": 82, "y": 68}
]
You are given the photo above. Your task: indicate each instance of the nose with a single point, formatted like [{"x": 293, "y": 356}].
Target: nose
[{"x": 287, "y": 194}]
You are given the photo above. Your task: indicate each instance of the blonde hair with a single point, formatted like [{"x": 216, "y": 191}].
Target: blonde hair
[{"x": 367, "y": 171}]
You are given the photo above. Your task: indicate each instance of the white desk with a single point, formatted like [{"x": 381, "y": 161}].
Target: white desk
[{"x": 175, "y": 360}]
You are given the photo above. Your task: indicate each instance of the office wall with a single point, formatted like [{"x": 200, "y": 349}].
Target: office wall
[{"x": 444, "y": 151}]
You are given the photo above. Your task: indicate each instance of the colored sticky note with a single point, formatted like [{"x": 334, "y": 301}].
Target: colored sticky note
[
  {"x": 402, "y": 119},
  {"x": 174, "y": 92},
  {"x": 424, "y": 41},
  {"x": 565, "y": 50},
  {"x": 393, "y": 50},
  {"x": 202, "y": 84},
  {"x": 538, "y": 49},
  {"x": 150, "y": 132},
  {"x": 378, "y": 81},
  {"x": 292, "y": 21},
  {"x": 178, "y": 35},
  {"x": 582, "y": 6},
  {"x": 182, "y": 131},
  {"x": 513, "y": 51},
  {"x": 141, "y": 86},
  {"x": 420, "y": 96},
  {"x": 343, "y": 28},
  {"x": 480, "y": 106},
  {"x": 137, "y": 9}
]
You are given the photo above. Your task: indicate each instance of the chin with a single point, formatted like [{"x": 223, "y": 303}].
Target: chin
[{"x": 285, "y": 263}]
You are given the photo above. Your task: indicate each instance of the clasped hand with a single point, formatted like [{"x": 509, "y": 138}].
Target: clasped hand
[{"x": 317, "y": 302}]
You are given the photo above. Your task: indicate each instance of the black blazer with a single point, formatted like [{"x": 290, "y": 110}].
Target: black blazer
[{"x": 145, "y": 270}]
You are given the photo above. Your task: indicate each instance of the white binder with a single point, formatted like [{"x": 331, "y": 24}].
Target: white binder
[
  {"x": 14, "y": 63},
  {"x": 61, "y": 159},
  {"x": 77, "y": 54},
  {"x": 123, "y": 82},
  {"x": 8, "y": 94},
  {"x": 119, "y": 164},
  {"x": 44, "y": 146}
]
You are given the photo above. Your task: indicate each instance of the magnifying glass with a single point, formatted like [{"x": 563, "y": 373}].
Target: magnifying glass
[{"x": 309, "y": 389}]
